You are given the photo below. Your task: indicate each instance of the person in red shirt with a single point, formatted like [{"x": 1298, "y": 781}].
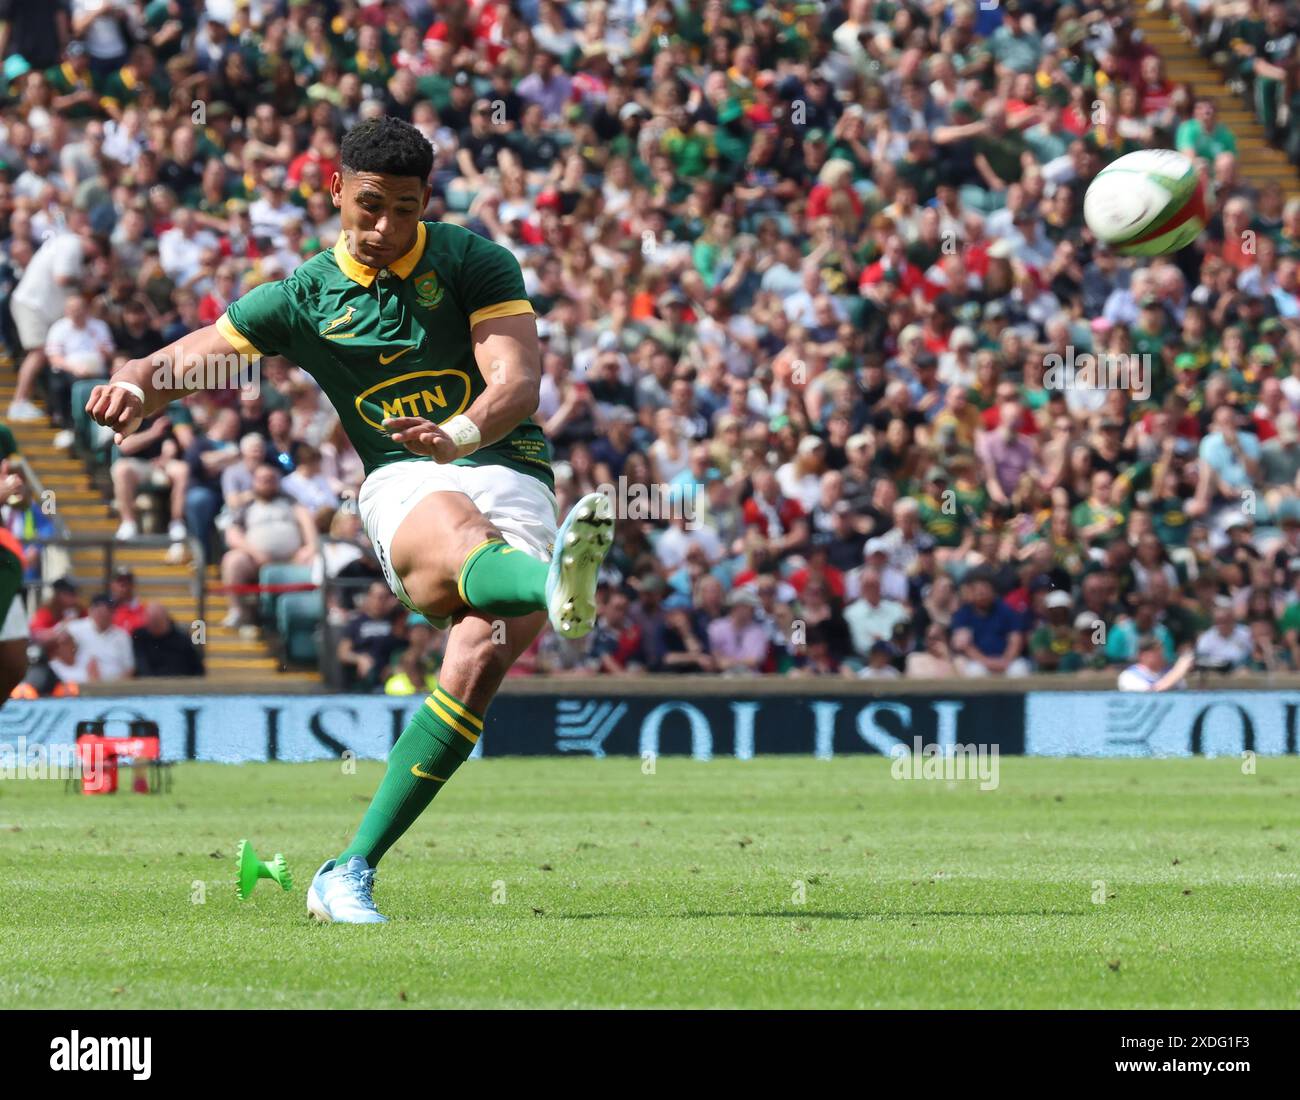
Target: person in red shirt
[
  {"x": 780, "y": 520},
  {"x": 1233, "y": 247},
  {"x": 1155, "y": 90},
  {"x": 818, "y": 569},
  {"x": 894, "y": 263},
  {"x": 50, "y": 616},
  {"x": 992, "y": 416},
  {"x": 615, "y": 644},
  {"x": 213, "y": 304},
  {"x": 128, "y": 612},
  {"x": 834, "y": 181},
  {"x": 322, "y": 151},
  {"x": 1128, "y": 51}
]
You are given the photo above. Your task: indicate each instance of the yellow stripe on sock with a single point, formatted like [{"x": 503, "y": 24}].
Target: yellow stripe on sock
[
  {"x": 470, "y": 736},
  {"x": 450, "y": 703},
  {"x": 460, "y": 577}
]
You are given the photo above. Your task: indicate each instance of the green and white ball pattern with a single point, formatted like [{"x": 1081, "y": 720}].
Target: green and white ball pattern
[{"x": 1147, "y": 203}]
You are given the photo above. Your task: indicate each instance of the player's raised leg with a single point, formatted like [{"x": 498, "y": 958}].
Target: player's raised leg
[
  {"x": 449, "y": 557},
  {"x": 439, "y": 738}
]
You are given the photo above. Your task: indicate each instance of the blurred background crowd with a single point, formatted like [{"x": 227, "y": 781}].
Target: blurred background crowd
[{"x": 799, "y": 269}]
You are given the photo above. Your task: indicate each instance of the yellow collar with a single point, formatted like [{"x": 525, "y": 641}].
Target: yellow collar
[{"x": 358, "y": 272}]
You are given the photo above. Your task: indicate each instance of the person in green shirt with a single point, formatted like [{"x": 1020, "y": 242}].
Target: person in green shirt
[
  {"x": 1052, "y": 644},
  {"x": 998, "y": 152},
  {"x": 1099, "y": 520},
  {"x": 370, "y": 62},
  {"x": 918, "y": 166},
  {"x": 123, "y": 88},
  {"x": 1265, "y": 53},
  {"x": 1203, "y": 135},
  {"x": 167, "y": 22},
  {"x": 76, "y": 92},
  {"x": 940, "y": 512},
  {"x": 689, "y": 148},
  {"x": 1150, "y": 336},
  {"x": 421, "y": 336},
  {"x": 1169, "y": 518},
  {"x": 1289, "y": 628},
  {"x": 731, "y": 139},
  {"x": 972, "y": 496}
]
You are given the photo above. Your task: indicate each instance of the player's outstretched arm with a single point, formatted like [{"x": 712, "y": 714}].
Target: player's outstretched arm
[
  {"x": 509, "y": 355},
  {"x": 143, "y": 386}
]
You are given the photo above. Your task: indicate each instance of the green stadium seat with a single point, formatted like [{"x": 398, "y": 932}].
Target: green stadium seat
[
  {"x": 280, "y": 574},
  {"x": 297, "y": 617}
]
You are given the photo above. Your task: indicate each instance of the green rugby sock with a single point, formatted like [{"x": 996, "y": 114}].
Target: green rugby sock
[
  {"x": 437, "y": 740},
  {"x": 501, "y": 580}
]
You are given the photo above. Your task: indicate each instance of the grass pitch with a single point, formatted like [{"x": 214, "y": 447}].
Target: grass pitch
[{"x": 562, "y": 882}]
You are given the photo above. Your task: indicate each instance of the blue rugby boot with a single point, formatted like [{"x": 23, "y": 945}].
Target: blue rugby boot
[{"x": 342, "y": 895}]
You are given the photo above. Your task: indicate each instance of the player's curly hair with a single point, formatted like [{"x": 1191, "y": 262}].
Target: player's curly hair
[{"x": 387, "y": 146}]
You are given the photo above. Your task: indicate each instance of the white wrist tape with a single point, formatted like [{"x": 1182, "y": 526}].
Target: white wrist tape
[
  {"x": 464, "y": 433},
  {"x": 130, "y": 387}
]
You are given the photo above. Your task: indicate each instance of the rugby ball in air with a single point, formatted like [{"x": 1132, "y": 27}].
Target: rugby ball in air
[{"x": 1147, "y": 203}]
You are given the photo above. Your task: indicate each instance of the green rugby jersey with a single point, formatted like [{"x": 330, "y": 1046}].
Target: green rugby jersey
[{"x": 395, "y": 343}]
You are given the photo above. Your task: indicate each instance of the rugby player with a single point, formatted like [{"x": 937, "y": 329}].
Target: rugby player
[{"x": 422, "y": 337}]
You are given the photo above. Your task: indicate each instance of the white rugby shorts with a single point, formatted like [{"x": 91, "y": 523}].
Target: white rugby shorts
[{"x": 519, "y": 506}]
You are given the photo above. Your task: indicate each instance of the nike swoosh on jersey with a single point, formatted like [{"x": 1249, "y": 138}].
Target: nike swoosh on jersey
[
  {"x": 415, "y": 771},
  {"x": 384, "y": 360}
]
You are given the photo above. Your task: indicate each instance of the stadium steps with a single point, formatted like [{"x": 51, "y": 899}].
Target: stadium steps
[
  {"x": 1258, "y": 161},
  {"x": 230, "y": 658}
]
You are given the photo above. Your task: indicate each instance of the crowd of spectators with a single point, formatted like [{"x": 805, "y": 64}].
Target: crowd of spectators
[
  {"x": 116, "y": 637},
  {"x": 800, "y": 271}
]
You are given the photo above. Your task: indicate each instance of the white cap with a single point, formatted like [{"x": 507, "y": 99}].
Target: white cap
[{"x": 808, "y": 444}]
